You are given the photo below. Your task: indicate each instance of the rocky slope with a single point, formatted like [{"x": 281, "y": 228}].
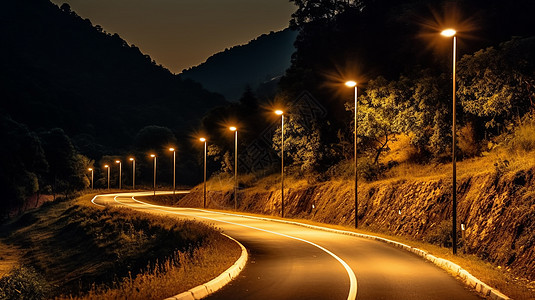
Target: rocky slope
[{"x": 498, "y": 210}]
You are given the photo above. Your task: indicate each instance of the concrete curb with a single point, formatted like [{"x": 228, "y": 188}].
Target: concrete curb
[
  {"x": 217, "y": 283},
  {"x": 467, "y": 278}
]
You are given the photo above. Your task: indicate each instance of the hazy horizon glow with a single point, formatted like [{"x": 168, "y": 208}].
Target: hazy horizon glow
[{"x": 182, "y": 34}]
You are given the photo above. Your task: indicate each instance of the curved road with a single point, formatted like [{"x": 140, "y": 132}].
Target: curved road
[{"x": 288, "y": 261}]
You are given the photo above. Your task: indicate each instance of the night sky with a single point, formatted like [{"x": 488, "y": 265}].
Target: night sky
[{"x": 182, "y": 33}]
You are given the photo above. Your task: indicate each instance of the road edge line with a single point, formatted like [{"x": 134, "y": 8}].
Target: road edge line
[
  {"x": 468, "y": 279},
  {"x": 350, "y": 272},
  {"x": 219, "y": 282}
]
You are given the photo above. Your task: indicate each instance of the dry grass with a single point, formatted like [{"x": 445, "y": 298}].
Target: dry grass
[
  {"x": 507, "y": 159},
  {"x": 511, "y": 152},
  {"x": 169, "y": 278},
  {"x": 220, "y": 182},
  {"x": 253, "y": 182},
  {"x": 9, "y": 258},
  {"x": 79, "y": 248}
]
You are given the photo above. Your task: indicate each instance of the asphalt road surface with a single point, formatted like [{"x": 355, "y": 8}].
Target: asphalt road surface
[{"x": 289, "y": 261}]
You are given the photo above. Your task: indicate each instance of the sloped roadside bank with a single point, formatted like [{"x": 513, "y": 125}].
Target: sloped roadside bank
[
  {"x": 497, "y": 210},
  {"x": 109, "y": 253}
]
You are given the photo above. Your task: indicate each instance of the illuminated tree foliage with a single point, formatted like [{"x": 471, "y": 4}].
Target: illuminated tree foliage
[
  {"x": 395, "y": 50},
  {"x": 410, "y": 106},
  {"x": 381, "y": 114},
  {"x": 498, "y": 84},
  {"x": 303, "y": 147}
]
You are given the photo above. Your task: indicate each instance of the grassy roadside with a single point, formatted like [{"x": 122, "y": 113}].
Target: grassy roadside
[{"x": 91, "y": 253}]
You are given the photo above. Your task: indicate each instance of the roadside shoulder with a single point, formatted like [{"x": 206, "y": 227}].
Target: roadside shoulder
[{"x": 217, "y": 283}]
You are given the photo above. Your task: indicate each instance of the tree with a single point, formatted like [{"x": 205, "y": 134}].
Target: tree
[
  {"x": 498, "y": 84},
  {"x": 22, "y": 164},
  {"x": 384, "y": 112},
  {"x": 154, "y": 138},
  {"x": 67, "y": 172},
  {"x": 303, "y": 146},
  {"x": 309, "y": 11},
  {"x": 410, "y": 105}
]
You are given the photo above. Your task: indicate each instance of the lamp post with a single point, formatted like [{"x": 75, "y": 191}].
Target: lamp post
[
  {"x": 452, "y": 33},
  {"x": 233, "y": 128},
  {"x": 354, "y": 84},
  {"x": 108, "y": 167},
  {"x": 281, "y": 113},
  {"x": 204, "y": 197},
  {"x": 120, "y": 172},
  {"x": 133, "y": 172},
  {"x": 174, "y": 168},
  {"x": 92, "y": 172},
  {"x": 154, "y": 156}
]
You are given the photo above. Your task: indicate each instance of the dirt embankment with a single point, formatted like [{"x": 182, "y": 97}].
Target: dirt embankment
[{"x": 498, "y": 211}]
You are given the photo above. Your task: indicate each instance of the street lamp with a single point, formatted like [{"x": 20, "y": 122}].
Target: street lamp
[
  {"x": 281, "y": 113},
  {"x": 452, "y": 33},
  {"x": 204, "y": 199},
  {"x": 154, "y": 156},
  {"x": 133, "y": 172},
  {"x": 174, "y": 168},
  {"x": 232, "y": 128},
  {"x": 92, "y": 172},
  {"x": 108, "y": 167},
  {"x": 120, "y": 171},
  {"x": 354, "y": 84}
]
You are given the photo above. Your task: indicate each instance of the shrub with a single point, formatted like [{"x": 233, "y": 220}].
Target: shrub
[
  {"x": 524, "y": 138},
  {"x": 440, "y": 234},
  {"x": 467, "y": 142},
  {"x": 342, "y": 170},
  {"x": 23, "y": 283},
  {"x": 371, "y": 171}
]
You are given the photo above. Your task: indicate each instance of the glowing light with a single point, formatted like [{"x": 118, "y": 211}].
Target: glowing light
[
  {"x": 202, "y": 139},
  {"x": 153, "y": 155},
  {"x": 448, "y": 32},
  {"x": 171, "y": 149},
  {"x": 131, "y": 159},
  {"x": 232, "y": 128},
  {"x": 351, "y": 83},
  {"x": 90, "y": 169},
  {"x": 279, "y": 112},
  {"x": 106, "y": 166},
  {"x": 117, "y": 161}
]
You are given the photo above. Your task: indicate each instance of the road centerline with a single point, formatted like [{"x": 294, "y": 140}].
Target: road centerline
[{"x": 352, "y": 277}]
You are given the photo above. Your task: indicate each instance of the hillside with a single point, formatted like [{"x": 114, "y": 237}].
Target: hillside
[
  {"x": 259, "y": 61},
  {"x": 70, "y": 249},
  {"x": 58, "y": 70},
  {"x": 495, "y": 206}
]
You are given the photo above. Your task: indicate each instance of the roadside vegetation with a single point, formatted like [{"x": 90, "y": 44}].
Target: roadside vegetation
[{"x": 72, "y": 250}]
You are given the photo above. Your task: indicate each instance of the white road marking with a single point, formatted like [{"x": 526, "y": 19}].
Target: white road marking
[
  {"x": 352, "y": 278},
  {"x": 93, "y": 201}
]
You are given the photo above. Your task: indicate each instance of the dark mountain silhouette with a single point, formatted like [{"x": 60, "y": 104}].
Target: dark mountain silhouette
[
  {"x": 261, "y": 61},
  {"x": 58, "y": 70}
]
